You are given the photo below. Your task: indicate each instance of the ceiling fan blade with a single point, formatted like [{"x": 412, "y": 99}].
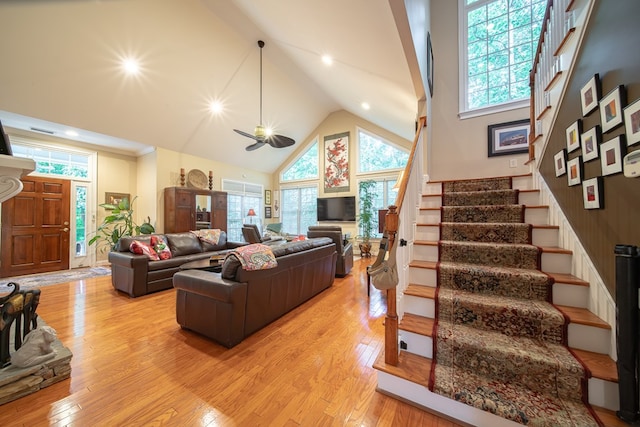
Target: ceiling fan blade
[
  {"x": 255, "y": 146},
  {"x": 280, "y": 141},
  {"x": 248, "y": 135}
]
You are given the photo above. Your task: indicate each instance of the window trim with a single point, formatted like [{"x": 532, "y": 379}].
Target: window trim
[{"x": 463, "y": 69}]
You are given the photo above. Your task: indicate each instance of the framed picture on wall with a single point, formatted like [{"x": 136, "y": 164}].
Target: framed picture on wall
[
  {"x": 508, "y": 138},
  {"x": 590, "y": 141},
  {"x": 573, "y": 135},
  {"x": 592, "y": 193},
  {"x": 574, "y": 171},
  {"x": 429, "y": 64},
  {"x": 267, "y": 212},
  {"x": 560, "y": 162},
  {"x": 590, "y": 95},
  {"x": 115, "y": 198},
  {"x": 611, "y": 109},
  {"x": 267, "y": 197},
  {"x": 632, "y": 122},
  {"x": 611, "y": 156}
]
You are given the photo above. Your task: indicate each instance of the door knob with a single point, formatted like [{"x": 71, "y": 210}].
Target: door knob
[
  {"x": 65, "y": 229},
  {"x": 66, "y": 223}
]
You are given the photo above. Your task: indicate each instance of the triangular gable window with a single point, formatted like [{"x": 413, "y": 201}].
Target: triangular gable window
[
  {"x": 306, "y": 167},
  {"x": 376, "y": 154}
]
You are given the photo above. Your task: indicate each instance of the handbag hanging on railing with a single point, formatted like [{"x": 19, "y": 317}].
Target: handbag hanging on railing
[{"x": 384, "y": 273}]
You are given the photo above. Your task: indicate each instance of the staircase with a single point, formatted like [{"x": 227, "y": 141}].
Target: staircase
[{"x": 589, "y": 337}]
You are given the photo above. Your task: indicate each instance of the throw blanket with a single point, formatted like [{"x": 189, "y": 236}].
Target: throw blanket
[{"x": 255, "y": 257}]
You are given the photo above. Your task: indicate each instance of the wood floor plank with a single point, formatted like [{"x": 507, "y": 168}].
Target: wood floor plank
[{"x": 133, "y": 364}]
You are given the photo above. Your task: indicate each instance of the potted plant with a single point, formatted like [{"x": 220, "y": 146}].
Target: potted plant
[
  {"x": 119, "y": 223},
  {"x": 366, "y": 216}
]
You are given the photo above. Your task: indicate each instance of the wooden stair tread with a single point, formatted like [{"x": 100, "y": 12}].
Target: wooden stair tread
[
  {"x": 555, "y": 250},
  {"x": 582, "y": 316},
  {"x": 546, "y": 227},
  {"x": 411, "y": 367},
  {"x": 529, "y": 191},
  {"x": 600, "y": 365},
  {"x": 423, "y": 264},
  {"x": 425, "y": 242},
  {"x": 608, "y": 417},
  {"x": 569, "y": 279},
  {"x": 421, "y": 291},
  {"x": 536, "y": 207},
  {"x": 417, "y": 324},
  {"x": 430, "y": 209},
  {"x": 432, "y": 195}
]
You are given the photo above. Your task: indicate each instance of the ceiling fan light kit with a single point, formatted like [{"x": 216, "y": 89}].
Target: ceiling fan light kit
[{"x": 260, "y": 133}]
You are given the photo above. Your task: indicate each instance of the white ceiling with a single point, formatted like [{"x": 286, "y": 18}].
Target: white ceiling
[{"x": 61, "y": 68}]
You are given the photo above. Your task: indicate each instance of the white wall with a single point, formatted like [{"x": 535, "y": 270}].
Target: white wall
[{"x": 459, "y": 147}]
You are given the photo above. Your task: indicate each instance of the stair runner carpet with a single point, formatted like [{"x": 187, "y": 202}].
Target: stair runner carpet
[{"x": 499, "y": 343}]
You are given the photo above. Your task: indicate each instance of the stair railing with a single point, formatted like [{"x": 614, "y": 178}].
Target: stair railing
[
  {"x": 558, "y": 25},
  {"x": 399, "y": 221}
]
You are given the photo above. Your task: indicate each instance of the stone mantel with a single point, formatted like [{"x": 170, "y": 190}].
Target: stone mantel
[{"x": 11, "y": 170}]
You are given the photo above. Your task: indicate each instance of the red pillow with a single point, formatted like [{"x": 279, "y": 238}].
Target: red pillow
[
  {"x": 141, "y": 248},
  {"x": 161, "y": 248}
]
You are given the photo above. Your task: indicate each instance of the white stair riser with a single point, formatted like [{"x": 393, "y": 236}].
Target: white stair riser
[
  {"x": 422, "y": 276},
  {"x": 432, "y": 188},
  {"x": 417, "y": 344},
  {"x": 536, "y": 216},
  {"x": 425, "y": 307},
  {"x": 589, "y": 338},
  {"x": 429, "y": 217},
  {"x": 431, "y": 202},
  {"x": 604, "y": 394},
  {"x": 556, "y": 263},
  {"x": 530, "y": 198},
  {"x": 522, "y": 183},
  {"x": 544, "y": 237},
  {"x": 425, "y": 252},
  {"x": 571, "y": 295},
  {"x": 428, "y": 232}
]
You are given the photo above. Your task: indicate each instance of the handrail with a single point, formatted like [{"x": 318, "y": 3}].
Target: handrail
[{"x": 391, "y": 228}]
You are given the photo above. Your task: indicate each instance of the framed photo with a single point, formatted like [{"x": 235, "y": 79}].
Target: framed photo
[
  {"x": 267, "y": 212},
  {"x": 267, "y": 197},
  {"x": 573, "y": 135},
  {"x": 611, "y": 155},
  {"x": 592, "y": 193},
  {"x": 429, "y": 64},
  {"x": 632, "y": 122},
  {"x": 276, "y": 203},
  {"x": 611, "y": 109},
  {"x": 590, "y": 94},
  {"x": 574, "y": 171},
  {"x": 508, "y": 138},
  {"x": 336, "y": 162},
  {"x": 115, "y": 198},
  {"x": 590, "y": 141},
  {"x": 560, "y": 162}
]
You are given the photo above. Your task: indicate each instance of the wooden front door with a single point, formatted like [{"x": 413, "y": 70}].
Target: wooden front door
[{"x": 35, "y": 228}]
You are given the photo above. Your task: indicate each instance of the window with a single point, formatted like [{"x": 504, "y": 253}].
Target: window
[
  {"x": 306, "y": 167},
  {"x": 240, "y": 198},
  {"x": 499, "y": 38},
  {"x": 54, "y": 162},
  {"x": 375, "y": 154},
  {"x": 385, "y": 196},
  {"x": 299, "y": 209}
]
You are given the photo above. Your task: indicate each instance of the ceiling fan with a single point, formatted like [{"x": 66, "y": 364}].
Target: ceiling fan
[{"x": 260, "y": 133}]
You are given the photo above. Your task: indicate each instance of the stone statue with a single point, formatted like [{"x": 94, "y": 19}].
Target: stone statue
[{"x": 36, "y": 348}]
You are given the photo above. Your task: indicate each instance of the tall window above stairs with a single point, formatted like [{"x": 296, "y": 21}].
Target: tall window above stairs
[{"x": 498, "y": 42}]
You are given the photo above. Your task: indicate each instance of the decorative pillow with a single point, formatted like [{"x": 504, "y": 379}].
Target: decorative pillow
[
  {"x": 160, "y": 246},
  {"x": 211, "y": 235},
  {"x": 141, "y": 248},
  {"x": 255, "y": 257}
]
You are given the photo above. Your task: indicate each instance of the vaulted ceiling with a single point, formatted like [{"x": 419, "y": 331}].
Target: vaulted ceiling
[{"x": 62, "y": 68}]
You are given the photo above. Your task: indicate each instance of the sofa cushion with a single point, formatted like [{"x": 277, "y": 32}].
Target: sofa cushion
[
  {"x": 159, "y": 244},
  {"x": 208, "y": 235},
  {"x": 207, "y": 246},
  {"x": 183, "y": 244},
  {"x": 141, "y": 248}
]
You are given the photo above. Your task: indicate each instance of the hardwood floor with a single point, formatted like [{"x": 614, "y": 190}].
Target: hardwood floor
[{"x": 133, "y": 365}]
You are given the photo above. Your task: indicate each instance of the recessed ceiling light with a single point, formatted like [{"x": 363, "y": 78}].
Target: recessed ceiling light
[
  {"x": 71, "y": 133},
  {"x": 216, "y": 107},
  {"x": 365, "y": 105},
  {"x": 327, "y": 60},
  {"x": 131, "y": 66}
]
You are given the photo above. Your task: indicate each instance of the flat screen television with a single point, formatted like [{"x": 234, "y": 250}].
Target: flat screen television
[{"x": 337, "y": 208}]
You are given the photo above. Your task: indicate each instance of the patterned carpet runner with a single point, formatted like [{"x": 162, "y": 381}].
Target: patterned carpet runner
[{"x": 499, "y": 345}]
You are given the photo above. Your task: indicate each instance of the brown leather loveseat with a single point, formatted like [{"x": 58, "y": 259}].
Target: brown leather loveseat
[
  {"x": 344, "y": 263},
  {"x": 231, "y": 305},
  {"x": 138, "y": 275}
]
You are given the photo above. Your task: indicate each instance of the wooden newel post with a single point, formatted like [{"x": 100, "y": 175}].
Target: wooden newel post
[{"x": 391, "y": 319}]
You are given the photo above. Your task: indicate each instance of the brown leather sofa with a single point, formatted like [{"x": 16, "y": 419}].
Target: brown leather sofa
[
  {"x": 231, "y": 305},
  {"x": 344, "y": 263},
  {"x": 138, "y": 275}
]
